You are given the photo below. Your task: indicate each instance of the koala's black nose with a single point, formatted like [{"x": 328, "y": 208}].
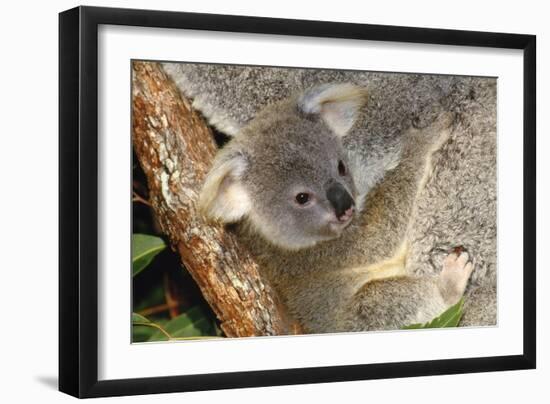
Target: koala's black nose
[{"x": 339, "y": 198}]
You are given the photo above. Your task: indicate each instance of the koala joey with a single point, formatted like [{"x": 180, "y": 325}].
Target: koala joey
[{"x": 329, "y": 228}]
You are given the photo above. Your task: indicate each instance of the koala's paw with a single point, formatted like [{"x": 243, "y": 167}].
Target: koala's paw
[{"x": 453, "y": 279}]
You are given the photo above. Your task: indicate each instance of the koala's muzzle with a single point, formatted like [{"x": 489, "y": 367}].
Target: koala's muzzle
[{"x": 340, "y": 199}]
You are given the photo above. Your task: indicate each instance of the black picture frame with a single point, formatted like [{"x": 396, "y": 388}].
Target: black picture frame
[{"x": 78, "y": 200}]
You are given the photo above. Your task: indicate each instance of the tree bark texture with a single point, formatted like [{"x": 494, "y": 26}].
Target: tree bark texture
[{"x": 175, "y": 148}]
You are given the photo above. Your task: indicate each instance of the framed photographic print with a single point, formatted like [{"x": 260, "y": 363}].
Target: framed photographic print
[{"x": 251, "y": 201}]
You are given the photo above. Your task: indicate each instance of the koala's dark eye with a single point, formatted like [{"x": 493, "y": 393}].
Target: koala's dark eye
[
  {"x": 342, "y": 168},
  {"x": 302, "y": 198}
]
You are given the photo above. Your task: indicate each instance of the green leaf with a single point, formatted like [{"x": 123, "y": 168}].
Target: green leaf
[
  {"x": 143, "y": 329},
  {"x": 195, "y": 322},
  {"x": 450, "y": 318},
  {"x": 142, "y": 333},
  {"x": 144, "y": 249},
  {"x": 138, "y": 318}
]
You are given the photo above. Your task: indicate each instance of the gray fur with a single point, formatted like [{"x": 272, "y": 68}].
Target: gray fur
[{"x": 456, "y": 207}]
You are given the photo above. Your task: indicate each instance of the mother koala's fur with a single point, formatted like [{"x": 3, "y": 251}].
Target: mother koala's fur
[{"x": 458, "y": 204}]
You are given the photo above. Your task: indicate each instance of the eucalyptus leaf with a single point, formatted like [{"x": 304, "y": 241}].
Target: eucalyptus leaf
[
  {"x": 144, "y": 249},
  {"x": 143, "y": 329},
  {"x": 142, "y": 333},
  {"x": 195, "y": 322},
  {"x": 449, "y": 318},
  {"x": 139, "y": 319}
]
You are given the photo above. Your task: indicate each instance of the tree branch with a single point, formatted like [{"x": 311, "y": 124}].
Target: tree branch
[{"x": 175, "y": 148}]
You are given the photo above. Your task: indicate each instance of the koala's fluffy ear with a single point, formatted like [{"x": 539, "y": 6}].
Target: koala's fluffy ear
[
  {"x": 223, "y": 197},
  {"x": 337, "y": 104}
]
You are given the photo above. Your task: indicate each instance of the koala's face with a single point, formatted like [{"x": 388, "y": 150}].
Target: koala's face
[
  {"x": 300, "y": 187},
  {"x": 287, "y": 173}
]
